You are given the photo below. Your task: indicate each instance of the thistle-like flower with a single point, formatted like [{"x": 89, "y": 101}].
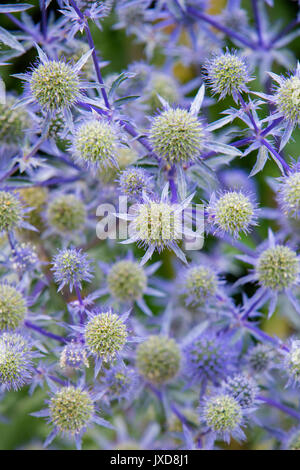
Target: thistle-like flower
[
  {"x": 228, "y": 74},
  {"x": 158, "y": 359},
  {"x": 198, "y": 285},
  {"x": 177, "y": 136},
  {"x": 133, "y": 182},
  {"x": 55, "y": 84},
  {"x": 11, "y": 211},
  {"x": 16, "y": 361},
  {"x": 289, "y": 193},
  {"x": 71, "y": 267},
  {"x": 259, "y": 358},
  {"x": 287, "y": 96},
  {"x": 158, "y": 224},
  {"x": 243, "y": 388},
  {"x": 292, "y": 363},
  {"x": 209, "y": 358},
  {"x": 95, "y": 144},
  {"x": 12, "y": 307},
  {"x": 223, "y": 416},
  {"x": 276, "y": 269},
  {"x": 71, "y": 410},
  {"x": 66, "y": 214},
  {"x": 13, "y": 124},
  {"x": 231, "y": 213},
  {"x": 120, "y": 382},
  {"x": 24, "y": 257},
  {"x": 74, "y": 356}
]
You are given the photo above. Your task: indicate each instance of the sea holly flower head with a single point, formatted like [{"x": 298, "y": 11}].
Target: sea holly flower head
[
  {"x": 133, "y": 182},
  {"x": 289, "y": 193},
  {"x": 71, "y": 267},
  {"x": 120, "y": 382},
  {"x": 208, "y": 357},
  {"x": 243, "y": 388},
  {"x": 95, "y": 144},
  {"x": 127, "y": 281},
  {"x": 228, "y": 74},
  {"x": 177, "y": 136},
  {"x": 13, "y": 123},
  {"x": 71, "y": 410},
  {"x": 24, "y": 257},
  {"x": 198, "y": 285},
  {"x": 11, "y": 211},
  {"x": 158, "y": 359},
  {"x": 74, "y": 356},
  {"x": 158, "y": 224},
  {"x": 292, "y": 363},
  {"x": 66, "y": 214},
  {"x": 287, "y": 96},
  {"x": 13, "y": 307},
  {"x": 16, "y": 361},
  {"x": 223, "y": 416},
  {"x": 232, "y": 213},
  {"x": 105, "y": 335},
  {"x": 278, "y": 268},
  {"x": 259, "y": 358}
]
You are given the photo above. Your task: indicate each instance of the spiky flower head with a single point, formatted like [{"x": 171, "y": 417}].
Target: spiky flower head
[
  {"x": 227, "y": 74},
  {"x": 71, "y": 409},
  {"x": 13, "y": 123},
  {"x": 199, "y": 284},
  {"x": 12, "y": 307},
  {"x": 232, "y": 213},
  {"x": 243, "y": 388},
  {"x": 287, "y": 97},
  {"x": 158, "y": 359},
  {"x": 74, "y": 356},
  {"x": 208, "y": 357},
  {"x": 177, "y": 136},
  {"x": 16, "y": 366},
  {"x": 127, "y": 281},
  {"x": 121, "y": 382},
  {"x": 223, "y": 415},
  {"x": 95, "y": 144},
  {"x": 292, "y": 363},
  {"x": 71, "y": 267},
  {"x": 55, "y": 85},
  {"x": 24, "y": 257},
  {"x": 293, "y": 441},
  {"x": 11, "y": 213},
  {"x": 66, "y": 214},
  {"x": 105, "y": 335},
  {"x": 289, "y": 194},
  {"x": 134, "y": 181},
  {"x": 259, "y": 358},
  {"x": 278, "y": 268}
]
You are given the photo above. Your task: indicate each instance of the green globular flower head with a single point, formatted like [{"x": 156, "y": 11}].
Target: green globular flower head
[
  {"x": 105, "y": 335},
  {"x": 12, "y": 307},
  {"x": 223, "y": 414},
  {"x": 287, "y": 98},
  {"x": 158, "y": 359},
  {"x": 157, "y": 223},
  {"x": 35, "y": 198},
  {"x": 177, "y": 136},
  {"x": 127, "y": 281},
  {"x": 13, "y": 123},
  {"x": 278, "y": 268},
  {"x": 10, "y": 211},
  {"x": 66, "y": 214},
  {"x": 55, "y": 85},
  {"x": 227, "y": 74},
  {"x": 232, "y": 213},
  {"x": 289, "y": 194},
  {"x": 95, "y": 144},
  {"x": 15, "y": 361},
  {"x": 71, "y": 409},
  {"x": 199, "y": 284}
]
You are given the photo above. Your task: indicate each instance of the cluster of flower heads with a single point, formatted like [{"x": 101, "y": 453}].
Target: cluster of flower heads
[{"x": 166, "y": 343}]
